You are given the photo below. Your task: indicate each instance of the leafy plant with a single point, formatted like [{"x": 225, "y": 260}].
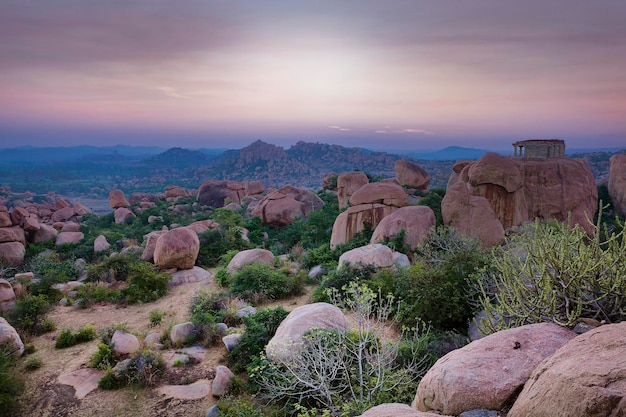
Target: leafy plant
[
  {"x": 257, "y": 282},
  {"x": 156, "y": 316},
  {"x": 30, "y": 313},
  {"x": 68, "y": 338},
  {"x": 11, "y": 385},
  {"x": 32, "y": 363}
]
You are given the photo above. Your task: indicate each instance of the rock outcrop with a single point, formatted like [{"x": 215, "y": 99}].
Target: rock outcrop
[
  {"x": 117, "y": 199},
  {"x": 177, "y": 248},
  {"x": 617, "y": 181},
  {"x": 9, "y": 336},
  {"x": 287, "y": 342},
  {"x": 585, "y": 377},
  {"x": 369, "y": 205},
  {"x": 411, "y": 175},
  {"x": 7, "y": 296},
  {"x": 219, "y": 193},
  {"x": 396, "y": 410},
  {"x": 488, "y": 373},
  {"x": 375, "y": 255},
  {"x": 283, "y": 206},
  {"x": 416, "y": 221},
  {"x": 518, "y": 190}
]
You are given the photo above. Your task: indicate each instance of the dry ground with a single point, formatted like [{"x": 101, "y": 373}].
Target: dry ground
[{"x": 44, "y": 397}]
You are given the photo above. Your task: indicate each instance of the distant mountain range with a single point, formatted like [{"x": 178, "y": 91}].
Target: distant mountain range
[{"x": 91, "y": 171}]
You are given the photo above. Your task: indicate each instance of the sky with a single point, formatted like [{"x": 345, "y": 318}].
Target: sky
[{"x": 386, "y": 75}]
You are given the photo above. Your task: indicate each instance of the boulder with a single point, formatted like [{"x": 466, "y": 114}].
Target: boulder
[
  {"x": 31, "y": 223},
  {"x": 488, "y": 373},
  {"x": 12, "y": 234},
  {"x": 496, "y": 169},
  {"x": 354, "y": 220},
  {"x": 254, "y": 187},
  {"x": 585, "y": 377},
  {"x": 221, "y": 383},
  {"x": 175, "y": 191},
  {"x": 151, "y": 240},
  {"x": 416, "y": 221},
  {"x": 250, "y": 256},
  {"x": 7, "y": 296},
  {"x": 45, "y": 233},
  {"x": 177, "y": 248},
  {"x": 411, "y": 175},
  {"x": 203, "y": 226},
  {"x": 5, "y": 219},
  {"x": 347, "y": 184},
  {"x": 69, "y": 237},
  {"x": 219, "y": 193},
  {"x": 617, "y": 182},
  {"x": 80, "y": 209},
  {"x": 195, "y": 391},
  {"x": 471, "y": 215},
  {"x": 101, "y": 244},
  {"x": 124, "y": 343},
  {"x": 18, "y": 215},
  {"x": 396, "y": 410},
  {"x": 231, "y": 340},
  {"x": 117, "y": 199},
  {"x": 182, "y": 332},
  {"x": 288, "y": 339},
  {"x": 284, "y": 206},
  {"x": 152, "y": 339},
  {"x": 12, "y": 253},
  {"x": 385, "y": 193},
  {"x": 376, "y": 255},
  {"x": 64, "y": 215},
  {"x": 188, "y": 276},
  {"x": 9, "y": 336},
  {"x": 122, "y": 215}
]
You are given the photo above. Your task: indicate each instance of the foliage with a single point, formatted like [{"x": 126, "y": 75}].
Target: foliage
[
  {"x": 208, "y": 309},
  {"x": 32, "y": 363},
  {"x": 555, "y": 273},
  {"x": 433, "y": 200},
  {"x": 156, "y": 316},
  {"x": 103, "y": 358},
  {"x": 30, "y": 313},
  {"x": 347, "y": 371},
  {"x": 145, "y": 284},
  {"x": 258, "y": 282},
  {"x": 11, "y": 386},
  {"x": 260, "y": 328},
  {"x": 238, "y": 408},
  {"x": 50, "y": 269},
  {"x": 214, "y": 244},
  {"x": 68, "y": 338},
  {"x": 144, "y": 370}
]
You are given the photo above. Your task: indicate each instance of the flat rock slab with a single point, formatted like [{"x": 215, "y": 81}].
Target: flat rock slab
[
  {"x": 83, "y": 381},
  {"x": 196, "y": 352},
  {"x": 187, "y": 276},
  {"x": 195, "y": 391}
]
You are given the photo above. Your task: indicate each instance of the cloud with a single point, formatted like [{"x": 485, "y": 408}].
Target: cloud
[
  {"x": 170, "y": 92},
  {"x": 341, "y": 129},
  {"x": 387, "y": 130}
]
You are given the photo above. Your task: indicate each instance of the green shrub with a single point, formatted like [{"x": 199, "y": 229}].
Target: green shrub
[
  {"x": 240, "y": 407},
  {"x": 30, "y": 313},
  {"x": 11, "y": 385},
  {"x": 144, "y": 370},
  {"x": 433, "y": 200},
  {"x": 92, "y": 293},
  {"x": 68, "y": 338},
  {"x": 555, "y": 273},
  {"x": 258, "y": 282},
  {"x": 222, "y": 277},
  {"x": 156, "y": 316},
  {"x": 260, "y": 328},
  {"x": 109, "y": 381},
  {"x": 145, "y": 284},
  {"x": 32, "y": 363},
  {"x": 103, "y": 358},
  {"x": 208, "y": 309}
]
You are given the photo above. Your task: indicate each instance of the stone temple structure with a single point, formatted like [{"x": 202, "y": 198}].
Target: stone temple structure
[{"x": 539, "y": 148}]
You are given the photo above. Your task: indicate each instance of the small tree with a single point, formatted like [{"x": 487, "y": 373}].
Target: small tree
[
  {"x": 555, "y": 273},
  {"x": 349, "y": 370}
]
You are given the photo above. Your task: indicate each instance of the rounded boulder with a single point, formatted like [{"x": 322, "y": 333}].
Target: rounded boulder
[{"x": 177, "y": 248}]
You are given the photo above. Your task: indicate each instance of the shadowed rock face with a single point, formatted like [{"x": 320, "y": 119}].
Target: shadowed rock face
[
  {"x": 347, "y": 184},
  {"x": 219, "y": 193},
  {"x": 411, "y": 175},
  {"x": 617, "y": 181},
  {"x": 519, "y": 190}
]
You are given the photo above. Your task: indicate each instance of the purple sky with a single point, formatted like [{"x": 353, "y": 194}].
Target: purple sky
[{"x": 386, "y": 75}]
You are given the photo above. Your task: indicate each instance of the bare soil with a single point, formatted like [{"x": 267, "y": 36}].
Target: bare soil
[{"x": 45, "y": 397}]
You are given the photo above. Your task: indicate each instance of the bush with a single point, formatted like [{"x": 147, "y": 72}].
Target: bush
[
  {"x": 433, "y": 200},
  {"x": 144, "y": 370},
  {"x": 103, "y": 358},
  {"x": 555, "y": 273},
  {"x": 11, "y": 386},
  {"x": 156, "y": 316},
  {"x": 68, "y": 338},
  {"x": 238, "y": 408},
  {"x": 30, "y": 313},
  {"x": 33, "y": 363},
  {"x": 258, "y": 282},
  {"x": 208, "y": 309},
  {"x": 145, "y": 284},
  {"x": 260, "y": 328}
]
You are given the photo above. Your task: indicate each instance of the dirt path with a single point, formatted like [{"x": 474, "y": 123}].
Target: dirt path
[{"x": 44, "y": 397}]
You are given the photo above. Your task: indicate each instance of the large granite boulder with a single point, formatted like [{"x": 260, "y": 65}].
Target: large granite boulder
[
  {"x": 45, "y": 233},
  {"x": 12, "y": 234},
  {"x": 9, "y": 336},
  {"x": 101, "y": 244},
  {"x": 617, "y": 181},
  {"x": 288, "y": 340},
  {"x": 177, "y": 248},
  {"x": 249, "y": 256},
  {"x": 375, "y": 255},
  {"x": 219, "y": 193},
  {"x": 411, "y": 175},
  {"x": 122, "y": 215},
  {"x": 175, "y": 191},
  {"x": 585, "y": 377},
  {"x": 69, "y": 237},
  {"x": 347, "y": 184},
  {"x": 7, "y": 296},
  {"x": 471, "y": 215},
  {"x": 355, "y": 219},
  {"x": 283, "y": 206},
  {"x": 5, "y": 217},
  {"x": 416, "y": 221},
  {"x": 65, "y": 214},
  {"x": 151, "y": 240},
  {"x": 488, "y": 373},
  {"x": 117, "y": 199}
]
